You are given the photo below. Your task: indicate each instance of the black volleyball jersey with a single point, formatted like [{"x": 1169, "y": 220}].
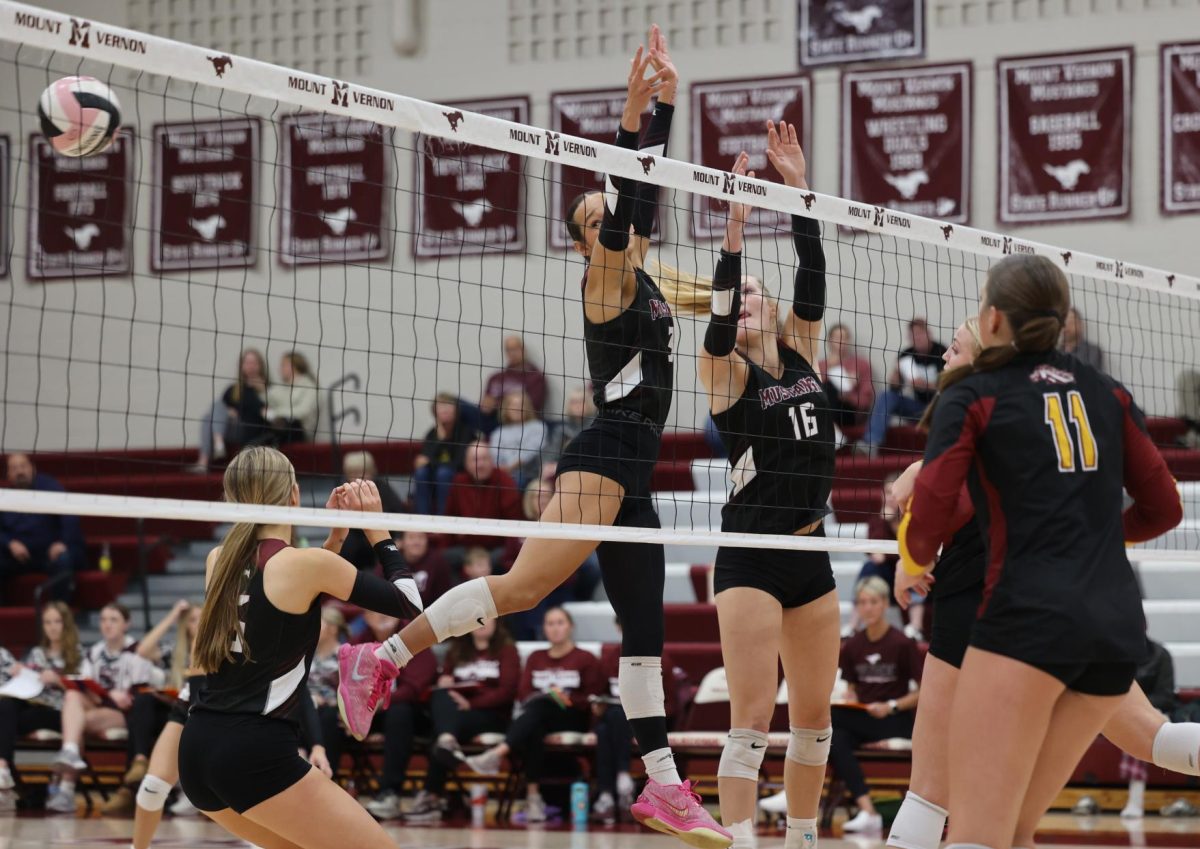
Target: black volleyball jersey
[
  {"x": 630, "y": 358},
  {"x": 962, "y": 563},
  {"x": 1047, "y": 444},
  {"x": 281, "y": 651},
  {"x": 780, "y": 440}
]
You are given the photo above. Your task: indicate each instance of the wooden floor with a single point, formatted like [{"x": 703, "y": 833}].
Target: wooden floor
[{"x": 29, "y": 831}]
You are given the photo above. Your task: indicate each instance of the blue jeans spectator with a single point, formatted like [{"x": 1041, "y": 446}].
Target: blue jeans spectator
[
  {"x": 216, "y": 422},
  {"x": 890, "y": 403},
  {"x": 432, "y": 488}
]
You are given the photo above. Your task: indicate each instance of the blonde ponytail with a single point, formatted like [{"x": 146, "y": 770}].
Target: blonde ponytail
[{"x": 686, "y": 292}]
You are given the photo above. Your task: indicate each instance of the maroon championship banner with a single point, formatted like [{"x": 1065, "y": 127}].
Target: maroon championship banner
[
  {"x": 1064, "y": 128},
  {"x": 470, "y": 199},
  {"x": 205, "y": 193},
  {"x": 1181, "y": 128},
  {"x": 79, "y": 221},
  {"x": 906, "y": 139},
  {"x": 5, "y": 207},
  {"x": 334, "y": 187},
  {"x": 859, "y": 30},
  {"x": 591, "y": 115},
  {"x": 729, "y": 117}
]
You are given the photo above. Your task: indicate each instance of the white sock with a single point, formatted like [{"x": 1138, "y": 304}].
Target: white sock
[
  {"x": 743, "y": 835},
  {"x": 660, "y": 765},
  {"x": 1177, "y": 747},
  {"x": 67, "y": 786},
  {"x": 1137, "y": 794},
  {"x": 73, "y": 748},
  {"x": 393, "y": 649},
  {"x": 801, "y": 833},
  {"x": 918, "y": 825}
]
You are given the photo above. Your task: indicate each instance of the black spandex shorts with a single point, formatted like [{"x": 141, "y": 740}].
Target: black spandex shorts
[
  {"x": 621, "y": 449},
  {"x": 1092, "y": 678},
  {"x": 953, "y": 617},
  {"x": 238, "y": 760},
  {"x": 179, "y": 712},
  {"x": 794, "y": 578}
]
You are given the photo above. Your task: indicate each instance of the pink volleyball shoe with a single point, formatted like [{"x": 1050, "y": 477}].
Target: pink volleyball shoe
[
  {"x": 675, "y": 809},
  {"x": 364, "y": 685}
]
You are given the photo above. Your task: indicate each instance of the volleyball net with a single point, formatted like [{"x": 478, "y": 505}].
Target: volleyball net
[{"x": 397, "y": 245}]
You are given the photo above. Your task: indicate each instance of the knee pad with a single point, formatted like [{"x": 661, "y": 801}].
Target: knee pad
[
  {"x": 153, "y": 792},
  {"x": 743, "y": 754},
  {"x": 639, "y": 680},
  {"x": 809, "y": 746},
  {"x": 461, "y": 609}
]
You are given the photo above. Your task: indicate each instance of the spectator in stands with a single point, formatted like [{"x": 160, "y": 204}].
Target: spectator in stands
[
  {"x": 113, "y": 664},
  {"x": 1156, "y": 677},
  {"x": 322, "y": 686},
  {"x": 477, "y": 563},
  {"x": 1074, "y": 341},
  {"x": 237, "y": 416},
  {"x": 521, "y": 441},
  {"x": 57, "y": 654},
  {"x": 149, "y": 711},
  {"x": 356, "y": 465},
  {"x": 911, "y": 385},
  {"x": 1189, "y": 407},
  {"x": 481, "y": 491},
  {"x": 373, "y": 626},
  {"x": 441, "y": 456},
  {"x": 878, "y": 664},
  {"x": 427, "y": 565},
  {"x": 614, "y": 736},
  {"x": 293, "y": 404},
  {"x": 578, "y": 412},
  {"x": 35, "y": 542},
  {"x": 518, "y": 374},
  {"x": 554, "y": 696},
  {"x": 474, "y": 695},
  {"x": 846, "y": 377},
  {"x": 884, "y": 525}
]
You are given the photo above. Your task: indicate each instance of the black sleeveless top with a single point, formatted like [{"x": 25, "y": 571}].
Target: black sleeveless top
[
  {"x": 281, "y": 651},
  {"x": 780, "y": 439},
  {"x": 631, "y": 357}
]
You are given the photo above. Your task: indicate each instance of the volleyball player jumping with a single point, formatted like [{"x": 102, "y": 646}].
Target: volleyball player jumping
[
  {"x": 1047, "y": 444},
  {"x": 238, "y": 760},
  {"x": 1136, "y": 727},
  {"x": 603, "y": 477},
  {"x": 774, "y": 419}
]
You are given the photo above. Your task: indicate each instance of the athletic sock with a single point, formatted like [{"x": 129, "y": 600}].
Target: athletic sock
[
  {"x": 743, "y": 835},
  {"x": 393, "y": 649},
  {"x": 801, "y": 833},
  {"x": 1177, "y": 747},
  {"x": 1137, "y": 794},
  {"x": 918, "y": 825},
  {"x": 67, "y": 786},
  {"x": 73, "y": 748},
  {"x": 660, "y": 765}
]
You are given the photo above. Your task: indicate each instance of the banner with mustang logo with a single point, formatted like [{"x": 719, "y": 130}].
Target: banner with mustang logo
[
  {"x": 841, "y": 31},
  {"x": 1181, "y": 127}
]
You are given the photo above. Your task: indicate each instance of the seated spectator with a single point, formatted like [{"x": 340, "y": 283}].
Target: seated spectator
[
  {"x": 911, "y": 386},
  {"x": 477, "y": 563},
  {"x": 323, "y": 684},
  {"x": 578, "y": 412},
  {"x": 521, "y": 440},
  {"x": 57, "y": 653},
  {"x": 884, "y": 525},
  {"x": 292, "y": 404},
  {"x": 361, "y": 464},
  {"x": 1074, "y": 341},
  {"x": 846, "y": 377},
  {"x": 614, "y": 736},
  {"x": 554, "y": 696},
  {"x": 224, "y": 422},
  {"x": 518, "y": 374},
  {"x": 116, "y": 666},
  {"x": 429, "y": 569},
  {"x": 35, "y": 542},
  {"x": 373, "y": 627},
  {"x": 474, "y": 695},
  {"x": 481, "y": 491},
  {"x": 1189, "y": 407},
  {"x": 877, "y": 665},
  {"x": 150, "y": 709},
  {"x": 441, "y": 456}
]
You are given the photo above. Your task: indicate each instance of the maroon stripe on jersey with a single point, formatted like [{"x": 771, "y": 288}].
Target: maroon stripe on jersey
[
  {"x": 997, "y": 537},
  {"x": 267, "y": 549},
  {"x": 1157, "y": 506}
]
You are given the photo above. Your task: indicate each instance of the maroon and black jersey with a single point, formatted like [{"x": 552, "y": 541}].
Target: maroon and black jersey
[
  {"x": 1046, "y": 444},
  {"x": 576, "y": 675},
  {"x": 495, "y": 678},
  {"x": 880, "y": 670}
]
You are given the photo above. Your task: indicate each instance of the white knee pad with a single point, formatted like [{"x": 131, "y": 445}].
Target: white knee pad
[
  {"x": 639, "y": 680},
  {"x": 809, "y": 746},
  {"x": 461, "y": 609},
  {"x": 918, "y": 825},
  {"x": 743, "y": 754},
  {"x": 153, "y": 792}
]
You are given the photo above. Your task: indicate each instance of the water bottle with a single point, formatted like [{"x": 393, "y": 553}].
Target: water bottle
[
  {"x": 579, "y": 803},
  {"x": 105, "y": 559},
  {"x": 479, "y": 798}
]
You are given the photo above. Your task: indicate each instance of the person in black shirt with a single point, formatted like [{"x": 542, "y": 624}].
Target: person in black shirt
[
  {"x": 361, "y": 465},
  {"x": 911, "y": 385},
  {"x": 1046, "y": 444},
  {"x": 441, "y": 456}
]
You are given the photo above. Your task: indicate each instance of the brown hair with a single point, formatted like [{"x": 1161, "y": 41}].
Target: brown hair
[
  {"x": 462, "y": 649},
  {"x": 257, "y": 475},
  {"x": 299, "y": 363},
  {"x": 120, "y": 608},
  {"x": 262, "y": 367},
  {"x": 71, "y": 654},
  {"x": 573, "y": 228}
]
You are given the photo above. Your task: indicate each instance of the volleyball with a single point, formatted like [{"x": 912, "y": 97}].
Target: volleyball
[{"x": 79, "y": 115}]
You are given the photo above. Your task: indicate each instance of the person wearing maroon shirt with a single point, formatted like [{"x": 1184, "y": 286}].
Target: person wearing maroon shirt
[
  {"x": 481, "y": 491},
  {"x": 427, "y": 565},
  {"x": 614, "y": 736},
  {"x": 877, "y": 665},
  {"x": 518, "y": 375},
  {"x": 553, "y": 695}
]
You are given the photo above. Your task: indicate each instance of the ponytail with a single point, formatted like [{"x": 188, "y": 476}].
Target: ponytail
[
  {"x": 686, "y": 292},
  {"x": 219, "y": 624}
]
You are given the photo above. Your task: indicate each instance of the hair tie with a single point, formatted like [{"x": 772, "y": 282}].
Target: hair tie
[{"x": 1055, "y": 314}]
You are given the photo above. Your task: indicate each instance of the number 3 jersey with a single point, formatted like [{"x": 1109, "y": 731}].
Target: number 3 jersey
[{"x": 780, "y": 439}]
